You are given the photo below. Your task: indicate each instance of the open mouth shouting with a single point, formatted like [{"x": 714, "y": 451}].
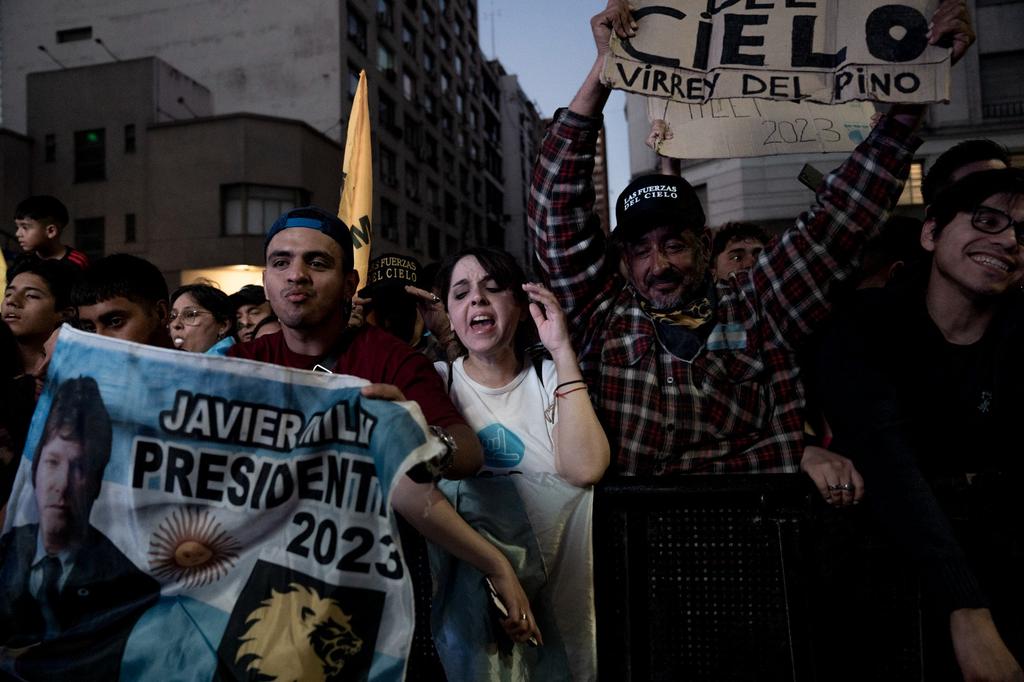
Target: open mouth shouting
[{"x": 482, "y": 323}]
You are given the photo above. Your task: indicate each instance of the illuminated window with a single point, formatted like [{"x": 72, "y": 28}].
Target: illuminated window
[{"x": 912, "y": 190}]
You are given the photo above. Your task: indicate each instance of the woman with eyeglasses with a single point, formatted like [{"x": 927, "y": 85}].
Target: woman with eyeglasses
[{"x": 201, "y": 320}]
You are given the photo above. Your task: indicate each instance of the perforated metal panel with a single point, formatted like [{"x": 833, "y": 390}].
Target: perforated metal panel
[{"x": 734, "y": 578}]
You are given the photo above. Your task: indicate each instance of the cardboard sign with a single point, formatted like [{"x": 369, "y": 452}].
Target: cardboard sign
[
  {"x": 186, "y": 517},
  {"x": 826, "y": 51},
  {"x": 731, "y": 128}
]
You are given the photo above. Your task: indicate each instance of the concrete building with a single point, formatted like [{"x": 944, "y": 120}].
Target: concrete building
[
  {"x": 510, "y": 114},
  {"x": 147, "y": 169},
  {"x": 15, "y": 164},
  {"x": 438, "y": 172},
  {"x": 987, "y": 102}
]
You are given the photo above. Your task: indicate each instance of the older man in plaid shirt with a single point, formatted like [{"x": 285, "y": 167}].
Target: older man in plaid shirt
[{"x": 690, "y": 375}]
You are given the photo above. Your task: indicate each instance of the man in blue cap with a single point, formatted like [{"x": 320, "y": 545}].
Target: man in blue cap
[{"x": 309, "y": 280}]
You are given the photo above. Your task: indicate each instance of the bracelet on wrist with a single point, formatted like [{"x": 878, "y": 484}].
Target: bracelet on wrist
[{"x": 568, "y": 383}]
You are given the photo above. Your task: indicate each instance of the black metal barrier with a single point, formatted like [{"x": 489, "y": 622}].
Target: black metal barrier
[{"x": 746, "y": 577}]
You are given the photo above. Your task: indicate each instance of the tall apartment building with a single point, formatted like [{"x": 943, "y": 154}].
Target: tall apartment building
[
  {"x": 439, "y": 168},
  {"x": 987, "y": 102}
]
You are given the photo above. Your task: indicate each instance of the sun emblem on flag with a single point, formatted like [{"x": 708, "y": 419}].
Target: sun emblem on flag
[{"x": 190, "y": 547}]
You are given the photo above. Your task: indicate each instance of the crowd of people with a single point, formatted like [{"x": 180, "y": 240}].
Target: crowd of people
[{"x": 872, "y": 352}]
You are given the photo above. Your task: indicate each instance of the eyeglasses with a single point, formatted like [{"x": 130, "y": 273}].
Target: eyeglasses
[
  {"x": 189, "y": 316},
  {"x": 993, "y": 221}
]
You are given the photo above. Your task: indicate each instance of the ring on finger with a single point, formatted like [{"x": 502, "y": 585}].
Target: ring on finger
[{"x": 523, "y": 617}]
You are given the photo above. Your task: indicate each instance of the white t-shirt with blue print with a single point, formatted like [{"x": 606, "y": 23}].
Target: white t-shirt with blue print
[{"x": 510, "y": 420}]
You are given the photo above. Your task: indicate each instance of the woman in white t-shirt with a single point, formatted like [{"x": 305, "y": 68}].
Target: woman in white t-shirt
[{"x": 543, "y": 450}]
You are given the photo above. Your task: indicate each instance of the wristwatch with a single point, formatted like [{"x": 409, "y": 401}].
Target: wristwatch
[{"x": 443, "y": 463}]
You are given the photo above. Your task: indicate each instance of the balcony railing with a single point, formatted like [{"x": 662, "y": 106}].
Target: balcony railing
[{"x": 1003, "y": 110}]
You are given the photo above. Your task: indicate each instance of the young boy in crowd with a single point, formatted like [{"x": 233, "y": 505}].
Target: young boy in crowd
[
  {"x": 39, "y": 221},
  {"x": 37, "y": 301},
  {"x": 124, "y": 297},
  {"x": 251, "y": 308}
]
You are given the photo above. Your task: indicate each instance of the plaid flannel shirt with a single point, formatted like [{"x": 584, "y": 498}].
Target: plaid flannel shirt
[{"x": 738, "y": 405}]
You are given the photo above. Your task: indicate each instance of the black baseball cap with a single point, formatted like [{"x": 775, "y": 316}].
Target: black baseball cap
[
  {"x": 390, "y": 271},
  {"x": 315, "y": 218},
  {"x": 655, "y": 200}
]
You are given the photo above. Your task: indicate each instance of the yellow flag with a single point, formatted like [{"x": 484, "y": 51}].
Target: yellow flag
[
  {"x": 3, "y": 274},
  {"x": 356, "y": 206}
]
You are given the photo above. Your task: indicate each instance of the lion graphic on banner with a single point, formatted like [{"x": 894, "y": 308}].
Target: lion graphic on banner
[{"x": 299, "y": 635}]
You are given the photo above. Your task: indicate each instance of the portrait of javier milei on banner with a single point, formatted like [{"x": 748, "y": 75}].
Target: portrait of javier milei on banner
[{"x": 184, "y": 517}]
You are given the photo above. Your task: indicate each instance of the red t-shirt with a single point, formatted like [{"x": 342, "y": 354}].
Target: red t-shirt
[
  {"x": 372, "y": 354},
  {"x": 75, "y": 256}
]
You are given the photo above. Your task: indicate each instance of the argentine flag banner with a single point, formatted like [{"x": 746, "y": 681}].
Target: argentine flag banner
[{"x": 179, "y": 516}]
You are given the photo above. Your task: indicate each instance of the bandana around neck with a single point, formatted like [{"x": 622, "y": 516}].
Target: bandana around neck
[{"x": 692, "y": 315}]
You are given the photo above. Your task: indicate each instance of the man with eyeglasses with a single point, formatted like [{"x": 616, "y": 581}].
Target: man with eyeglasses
[{"x": 921, "y": 385}]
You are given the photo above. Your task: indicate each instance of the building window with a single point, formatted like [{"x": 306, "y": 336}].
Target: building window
[
  {"x": 388, "y": 220},
  {"x": 129, "y": 228},
  {"x": 434, "y": 243},
  {"x": 429, "y": 155},
  {"x": 1002, "y": 88},
  {"x": 388, "y": 167},
  {"x": 427, "y": 19},
  {"x": 408, "y": 38},
  {"x": 459, "y": 103},
  {"x": 385, "y": 13},
  {"x": 386, "y": 112},
  {"x": 458, "y": 27},
  {"x": 443, "y": 41},
  {"x": 429, "y": 104},
  {"x": 428, "y": 61},
  {"x": 412, "y": 132},
  {"x": 49, "y": 148},
  {"x": 412, "y": 182},
  {"x": 251, "y": 209},
  {"x": 356, "y": 29},
  {"x": 408, "y": 86},
  {"x": 71, "y": 35},
  {"x": 386, "y": 60},
  {"x": 450, "y": 209},
  {"x": 353, "y": 80},
  {"x": 433, "y": 198},
  {"x": 445, "y": 82},
  {"x": 458, "y": 65},
  {"x": 129, "y": 138},
  {"x": 90, "y": 237},
  {"x": 412, "y": 231},
  {"x": 912, "y": 190},
  {"x": 90, "y": 155}
]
